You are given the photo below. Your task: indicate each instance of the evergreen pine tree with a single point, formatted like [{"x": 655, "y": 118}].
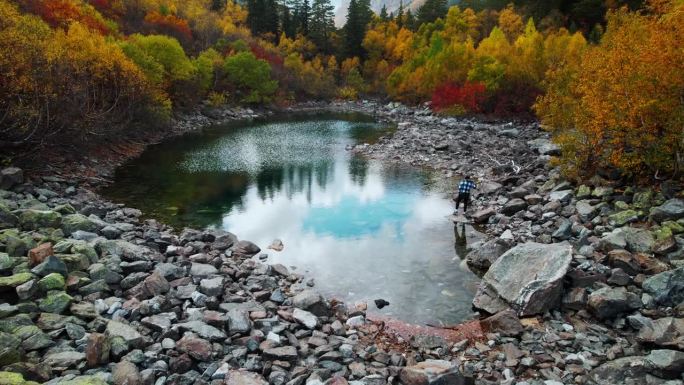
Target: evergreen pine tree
[
  {"x": 359, "y": 14},
  {"x": 410, "y": 21},
  {"x": 400, "y": 14},
  {"x": 383, "y": 13},
  {"x": 288, "y": 24},
  {"x": 321, "y": 24},
  {"x": 432, "y": 10},
  {"x": 271, "y": 22},
  {"x": 303, "y": 17}
]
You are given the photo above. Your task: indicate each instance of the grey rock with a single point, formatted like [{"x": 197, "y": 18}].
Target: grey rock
[
  {"x": 64, "y": 360},
  {"x": 670, "y": 210},
  {"x": 212, "y": 286},
  {"x": 667, "y": 363},
  {"x": 127, "y": 332},
  {"x": 482, "y": 257},
  {"x": 305, "y": 318},
  {"x": 311, "y": 301},
  {"x": 284, "y": 353},
  {"x": 203, "y": 330},
  {"x": 126, "y": 373},
  {"x": 529, "y": 276},
  {"x": 202, "y": 270},
  {"x": 513, "y": 206},
  {"x": 608, "y": 302},
  {"x": 667, "y": 288},
  {"x": 238, "y": 321}
]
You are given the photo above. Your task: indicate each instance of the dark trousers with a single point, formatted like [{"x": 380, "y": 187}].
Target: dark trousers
[{"x": 465, "y": 198}]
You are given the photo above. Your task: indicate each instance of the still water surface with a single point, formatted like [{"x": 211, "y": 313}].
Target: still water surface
[{"x": 363, "y": 229}]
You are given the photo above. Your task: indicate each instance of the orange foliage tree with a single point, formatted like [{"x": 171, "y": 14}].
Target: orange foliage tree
[{"x": 623, "y": 106}]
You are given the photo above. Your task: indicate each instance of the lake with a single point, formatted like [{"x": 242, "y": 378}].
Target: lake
[{"x": 361, "y": 228}]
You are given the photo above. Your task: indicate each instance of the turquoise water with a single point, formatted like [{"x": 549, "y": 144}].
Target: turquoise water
[{"x": 363, "y": 229}]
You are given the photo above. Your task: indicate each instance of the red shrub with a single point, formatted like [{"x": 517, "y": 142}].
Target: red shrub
[
  {"x": 170, "y": 24},
  {"x": 59, "y": 13},
  {"x": 273, "y": 58},
  {"x": 469, "y": 96}
]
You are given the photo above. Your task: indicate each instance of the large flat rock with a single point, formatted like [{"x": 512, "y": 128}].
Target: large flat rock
[{"x": 528, "y": 277}]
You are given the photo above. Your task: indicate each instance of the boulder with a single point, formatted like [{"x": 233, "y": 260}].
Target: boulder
[
  {"x": 667, "y": 288},
  {"x": 633, "y": 239},
  {"x": 432, "y": 372},
  {"x": 482, "y": 257},
  {"x": 127, "y": 332},
  {"x": 623, "y": 217},
  {"x": 482, "y": 216},
  {"x": 666, "y": 363},
  {"x": 7, "y": 218},
  {"x": 36, "y": 219},
  {"x": 311, "y": 301},
  {"x": 504, "y": 322},
  {"x": 126, "y": 373},
  {"x": 561, "y": 196},
  {"x": 11, "y": 282},
  {"x": 632, "y": 370},
  {"x": 245, "y": 248},
  {"x": 529, "y": 276},
  {"x": 75, "y": 222},
  {"x": 513, "y": 206},
  {"x": 666, "y": 332},
  {"x": 669, "y": 211},
  {"x": 10, "y": 177},
  {"x": 305, "y": 318},
  {"x": 608, "y": 302}
]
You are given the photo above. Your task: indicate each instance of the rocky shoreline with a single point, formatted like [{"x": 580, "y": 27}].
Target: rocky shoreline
[{"x": 93, "y": 293}]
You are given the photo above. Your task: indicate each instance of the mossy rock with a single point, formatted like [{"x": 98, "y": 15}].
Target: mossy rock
[
  {"x": 675, "y": 227},
  {"x": 602, "y": 192},
  {"x": 623, "y": 217},
  {"x": 74, "y": 262},
  {"x": 65, "y": 209},
  {"x": 15, "y": 246},
  {"x": 664, "y": 232},
  {"x": 9, "y": 378},
  {"x": 35, "y": 219},
  {"x": 643, "y": 200},
  {"x": 52, "y": 281},
  {"x": 56, "y": 302},
  {"x": 620, "y": 205},
  {"x": 583, "y": 192},
  {"x": 83, "y": 248},
  {"x": 14, "y": 280},
  {"x": 75, "y": 222},
  {"x": 9, "y": 349},
  {"x": 7, "y": 218},
  {"x": 6, "y": 262}
]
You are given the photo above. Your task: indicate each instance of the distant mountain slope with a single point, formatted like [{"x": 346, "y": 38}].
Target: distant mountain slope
[{"x": 376, "y": 5}]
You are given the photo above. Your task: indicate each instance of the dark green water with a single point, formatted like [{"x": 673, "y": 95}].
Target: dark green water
[{"x": 363, "y": 229}]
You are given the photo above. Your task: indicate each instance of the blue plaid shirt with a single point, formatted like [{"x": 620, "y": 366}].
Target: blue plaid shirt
[{"x": 465, "y": 186}]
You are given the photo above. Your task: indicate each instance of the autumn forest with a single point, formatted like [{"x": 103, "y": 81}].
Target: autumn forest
[{"x": 605, "y": 78}]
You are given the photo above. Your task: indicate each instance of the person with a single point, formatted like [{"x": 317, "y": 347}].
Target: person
[{"x": 464, "y": 188}]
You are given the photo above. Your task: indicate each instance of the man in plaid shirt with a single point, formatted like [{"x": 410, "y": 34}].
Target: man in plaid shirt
[{"x": 464, "y": 188}]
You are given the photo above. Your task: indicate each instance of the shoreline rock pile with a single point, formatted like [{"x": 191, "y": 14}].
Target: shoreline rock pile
[{"x": 582, "y": 284}]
